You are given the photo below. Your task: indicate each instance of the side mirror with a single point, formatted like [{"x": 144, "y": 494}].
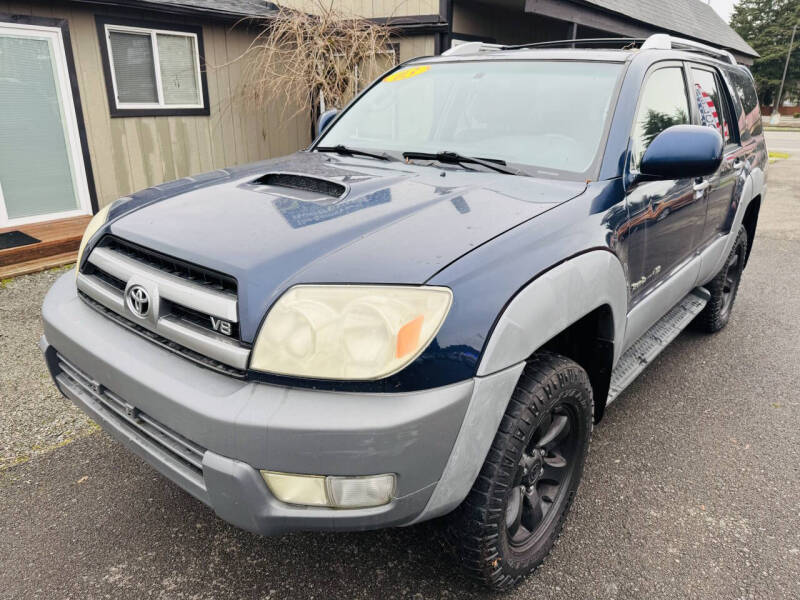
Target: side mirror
[
  {"x": 683, "y": 151},
  {"x": 325, "y": 119}
]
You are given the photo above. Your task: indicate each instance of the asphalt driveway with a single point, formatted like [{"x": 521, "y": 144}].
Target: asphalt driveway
[{"x": 692, "y": 487}]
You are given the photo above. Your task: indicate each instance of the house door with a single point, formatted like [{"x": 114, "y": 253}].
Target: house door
[{"x": 42, "y": 175}]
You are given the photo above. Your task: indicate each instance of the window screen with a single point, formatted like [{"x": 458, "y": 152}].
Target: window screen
[
  {"x": 663, "y": 104},
  {"x": 133, "y": 67},
  {"x": 154, "y": 69},
  {"x": 177, "y": 55}
]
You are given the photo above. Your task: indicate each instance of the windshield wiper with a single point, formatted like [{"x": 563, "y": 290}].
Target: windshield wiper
[
  {"x": 455, "y": 158},
  {"x": 348, "y": 151}
]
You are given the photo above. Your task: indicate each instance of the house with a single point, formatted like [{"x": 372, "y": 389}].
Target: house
[{"x": 99, "y": 98}]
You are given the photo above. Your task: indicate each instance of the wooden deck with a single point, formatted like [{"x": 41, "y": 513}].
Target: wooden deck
[{"x": 58, "y": 246}]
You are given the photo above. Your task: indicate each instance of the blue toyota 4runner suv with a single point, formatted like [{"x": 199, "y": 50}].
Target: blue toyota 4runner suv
[{"x": 423, "y": 313}]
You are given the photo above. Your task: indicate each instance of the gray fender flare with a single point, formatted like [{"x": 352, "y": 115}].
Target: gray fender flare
[
  {"x": 553, "y": 302},
  {"x": 714, "y": 257},
  {"x": 543, "y": 308}
]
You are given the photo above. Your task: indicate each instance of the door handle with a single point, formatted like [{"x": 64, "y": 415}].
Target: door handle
[{"x": 701, "y": 186}]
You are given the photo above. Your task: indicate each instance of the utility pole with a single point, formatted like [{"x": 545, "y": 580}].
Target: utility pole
[{"x": 776, "y": 114}]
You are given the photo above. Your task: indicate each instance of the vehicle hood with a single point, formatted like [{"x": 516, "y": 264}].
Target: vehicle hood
[{"x": 393, "y": 223}]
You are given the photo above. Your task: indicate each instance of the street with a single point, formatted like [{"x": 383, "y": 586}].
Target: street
[{"x": 691, "y": 489}]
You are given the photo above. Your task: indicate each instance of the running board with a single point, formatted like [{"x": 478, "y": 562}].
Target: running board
[{"x": 658, "y": 337}]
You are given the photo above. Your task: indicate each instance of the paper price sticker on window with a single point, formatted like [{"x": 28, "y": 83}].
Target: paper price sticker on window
[{"x": 407, "y": 73}]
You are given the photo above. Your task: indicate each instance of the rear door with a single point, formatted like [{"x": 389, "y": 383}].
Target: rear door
[{"x": 714, "y": 109}]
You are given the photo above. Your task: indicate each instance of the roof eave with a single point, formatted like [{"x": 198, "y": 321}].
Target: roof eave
[{"x": 173, "y": 9}]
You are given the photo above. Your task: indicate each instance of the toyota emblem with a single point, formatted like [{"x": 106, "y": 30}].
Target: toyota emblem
[{"x": 138, "y": 300}]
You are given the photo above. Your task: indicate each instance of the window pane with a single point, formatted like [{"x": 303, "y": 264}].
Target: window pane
[
  {"x": 710, "y": 103},
  {"x": 132, "y": 58},
  {"x": 663, "y": 105},
  {"x": 177, "y": 56},
  {"x": 35, "y": 166},
  {"x": 750, "y": 120}
]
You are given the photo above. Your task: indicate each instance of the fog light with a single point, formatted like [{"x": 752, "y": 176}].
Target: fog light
[
  {"x": 335, "y": 492},
  {"x": 297, "y": 489}
]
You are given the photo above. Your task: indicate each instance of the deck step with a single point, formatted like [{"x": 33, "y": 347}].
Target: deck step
[
  {"x": 38, "y": 264},
  {"x": 658, "y": 337}
]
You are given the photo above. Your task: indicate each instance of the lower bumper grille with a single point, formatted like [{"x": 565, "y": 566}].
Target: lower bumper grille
[{"x": 181, "y": 450}]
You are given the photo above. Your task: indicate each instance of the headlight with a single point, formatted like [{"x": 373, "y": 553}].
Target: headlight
[
  {"x": 96, "y": 223},
  {"x": 353, "y": 332}
]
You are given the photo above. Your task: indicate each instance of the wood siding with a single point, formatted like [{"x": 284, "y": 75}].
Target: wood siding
[
  {"x": 419, "y": 45},
  {"x": 131, "y": 153},
  {"x": 506, "y": 25},
  {"x": 372, "y": 9}
]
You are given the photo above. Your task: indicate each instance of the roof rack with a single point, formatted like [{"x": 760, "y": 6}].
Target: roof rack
[{"x": 658, "y": 41}]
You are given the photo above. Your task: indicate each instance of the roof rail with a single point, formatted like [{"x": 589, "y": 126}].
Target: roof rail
[
  {"x": 658, "y": 41},
  {"x": 471, "y": 48},
  {"x": 664, "y": 41},
  {"x": 615, "y": 41}
]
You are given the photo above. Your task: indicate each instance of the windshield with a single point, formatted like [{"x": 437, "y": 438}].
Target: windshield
[{"x": 544, "y": 115}]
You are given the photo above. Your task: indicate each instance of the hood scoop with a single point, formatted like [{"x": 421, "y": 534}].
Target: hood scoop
[{"x": 301, "y": 187}]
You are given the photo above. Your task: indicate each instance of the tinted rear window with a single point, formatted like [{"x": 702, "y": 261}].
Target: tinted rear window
[{"x": 745, "y": 91}]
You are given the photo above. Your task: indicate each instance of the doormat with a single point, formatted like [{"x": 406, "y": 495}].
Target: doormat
[{"x": 13, "y": 239}]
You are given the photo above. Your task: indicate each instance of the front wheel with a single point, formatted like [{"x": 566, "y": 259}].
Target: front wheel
[{"x": 515, "y": 511}]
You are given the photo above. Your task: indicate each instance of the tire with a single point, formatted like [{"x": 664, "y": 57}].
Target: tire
[
  {"x": 724, "y": 287},
  {"x": 489, "y": 529}
]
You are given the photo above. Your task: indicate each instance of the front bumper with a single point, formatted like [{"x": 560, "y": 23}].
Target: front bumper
[{"x": 211, "y": 434}]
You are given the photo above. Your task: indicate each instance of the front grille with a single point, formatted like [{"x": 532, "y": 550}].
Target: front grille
[
  {"x": 183, "y": 351},
  {"x": 188, "y": 309},
  {"x": 139, "y": 424},
  {"x": 168, "y": 264}
]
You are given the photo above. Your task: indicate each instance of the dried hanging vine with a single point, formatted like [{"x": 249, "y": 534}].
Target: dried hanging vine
[{"x": 301, "y": 57}]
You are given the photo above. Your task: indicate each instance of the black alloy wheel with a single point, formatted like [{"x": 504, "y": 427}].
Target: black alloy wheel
[
  {"x": 543, "y": 474},
  {"x": 724, "y": 287}
]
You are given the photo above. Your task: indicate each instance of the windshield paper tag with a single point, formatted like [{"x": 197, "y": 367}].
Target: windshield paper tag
[{"x": 407, "y": 73}]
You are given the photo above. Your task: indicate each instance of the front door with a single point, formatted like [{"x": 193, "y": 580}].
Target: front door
[
  {"x": 42, "y": 175},
  {"x": 666, "y": 217}
]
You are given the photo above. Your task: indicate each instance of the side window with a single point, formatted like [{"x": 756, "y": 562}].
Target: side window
[
  {"x": 744, "y": 88},
  {"x": 712, "y": 104},
  {"x": 663, "y": 103}
]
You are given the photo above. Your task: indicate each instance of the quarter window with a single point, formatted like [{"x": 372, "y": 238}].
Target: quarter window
[
  {"x": 152, "y": 70},
  {"x": 711, "y": 103},
  {"x": 663, "y": 104},
  {"x": 743, "y": 87}
]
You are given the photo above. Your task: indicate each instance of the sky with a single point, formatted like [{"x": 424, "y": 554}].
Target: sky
[{"x": 723, "y": 7}]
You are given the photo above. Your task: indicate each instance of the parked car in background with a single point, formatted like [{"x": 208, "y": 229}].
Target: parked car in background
[{"x": 425, "y": 312}]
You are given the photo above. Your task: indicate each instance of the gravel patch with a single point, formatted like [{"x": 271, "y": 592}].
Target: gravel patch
[{"x": 35, "y": 417}]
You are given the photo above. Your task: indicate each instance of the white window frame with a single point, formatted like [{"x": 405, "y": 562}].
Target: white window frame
[{"x": 153, "y": 32}]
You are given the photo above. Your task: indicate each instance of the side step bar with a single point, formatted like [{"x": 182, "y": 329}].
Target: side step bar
[{"x": 654, "y": 340}]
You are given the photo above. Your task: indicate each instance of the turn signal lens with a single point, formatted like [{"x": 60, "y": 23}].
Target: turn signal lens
[
  {"x": 349, "y": 332},
  {"x": 360, "y": 492},
  {"x": 333, "y": 492},
  {"x": 94, "y": 225}
]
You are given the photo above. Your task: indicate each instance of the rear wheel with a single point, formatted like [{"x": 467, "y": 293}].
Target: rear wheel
[
  {"x": 724, "y": 287},
  {"x": 517, "y": 506}
]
